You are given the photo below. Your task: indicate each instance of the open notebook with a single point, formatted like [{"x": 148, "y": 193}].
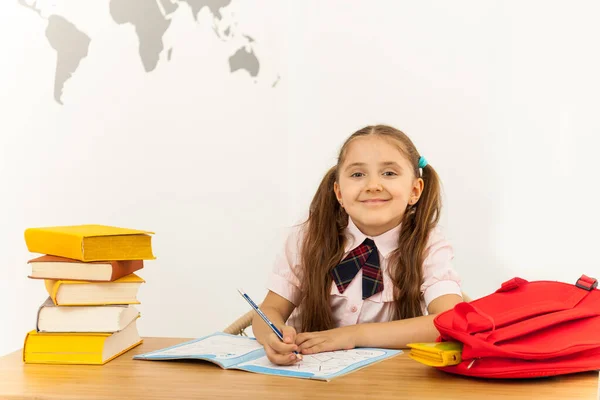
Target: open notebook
[{"x": 246, "y": 354}]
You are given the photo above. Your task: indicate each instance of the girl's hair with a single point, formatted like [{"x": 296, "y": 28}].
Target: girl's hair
[{"x": 324, "y": 239}]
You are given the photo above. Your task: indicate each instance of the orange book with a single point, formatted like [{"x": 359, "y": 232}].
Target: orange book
[
  {"x": 83, "y": 293},
  {"x": 54, "y": 267},
  {"x": 90, "y": 242}
]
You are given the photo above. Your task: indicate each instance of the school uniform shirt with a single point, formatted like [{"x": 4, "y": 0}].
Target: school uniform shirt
[{"x": 439, "y": 277}]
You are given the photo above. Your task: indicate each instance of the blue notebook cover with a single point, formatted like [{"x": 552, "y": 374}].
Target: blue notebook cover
[{"x": 246, "y": 354}]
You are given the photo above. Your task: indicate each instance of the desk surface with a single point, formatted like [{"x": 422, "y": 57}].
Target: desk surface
[{"x": 395, "y": 378}]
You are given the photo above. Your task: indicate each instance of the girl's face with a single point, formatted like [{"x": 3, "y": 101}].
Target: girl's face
[{"x": 376, "y": 184}]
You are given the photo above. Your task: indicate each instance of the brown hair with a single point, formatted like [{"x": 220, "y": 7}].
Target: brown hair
[{"x": 324, "y": 239}]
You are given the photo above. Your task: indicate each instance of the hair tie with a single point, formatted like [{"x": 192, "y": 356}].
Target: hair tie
[{"x": 422, "y": 162}]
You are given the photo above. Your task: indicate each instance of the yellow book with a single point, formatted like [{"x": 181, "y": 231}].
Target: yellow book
[
  {"x": 78, "y": 348},
  {"x": 439, "y": 354},
  {"x": 89, "y": 293},
  {"x": 91, "y": 242}
]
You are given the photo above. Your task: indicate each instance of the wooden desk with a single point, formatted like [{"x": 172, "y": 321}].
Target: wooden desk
[{"x": 396, "y": 378}]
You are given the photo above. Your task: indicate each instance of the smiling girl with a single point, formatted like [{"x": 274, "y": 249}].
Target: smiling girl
[{"x": 369, "y": 267}]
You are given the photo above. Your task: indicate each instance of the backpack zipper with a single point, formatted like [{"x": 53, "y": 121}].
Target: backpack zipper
[{"x": 472, "y": 362}]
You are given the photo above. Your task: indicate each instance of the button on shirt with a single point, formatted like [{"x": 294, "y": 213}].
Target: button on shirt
[{"x": 439, "y": 277}]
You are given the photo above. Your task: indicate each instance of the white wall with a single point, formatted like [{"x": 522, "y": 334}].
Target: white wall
[
  {"x": 500, "y": 97},
  {"x": 189, "y": 151}
]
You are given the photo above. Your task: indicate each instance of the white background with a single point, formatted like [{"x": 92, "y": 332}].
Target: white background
[{"x": 501, "y": 97}]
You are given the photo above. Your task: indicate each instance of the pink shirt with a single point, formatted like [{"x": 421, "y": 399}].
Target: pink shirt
[{"x": 439, "y": 277}]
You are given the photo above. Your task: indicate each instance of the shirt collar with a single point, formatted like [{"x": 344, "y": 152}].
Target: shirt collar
[{"x": 386, "y": 242}]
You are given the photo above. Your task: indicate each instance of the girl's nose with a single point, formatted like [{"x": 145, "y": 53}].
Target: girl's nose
[{"x": 374, "y": 185}]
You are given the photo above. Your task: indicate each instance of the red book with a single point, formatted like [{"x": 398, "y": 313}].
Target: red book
[{"x": 54, "y": 267}]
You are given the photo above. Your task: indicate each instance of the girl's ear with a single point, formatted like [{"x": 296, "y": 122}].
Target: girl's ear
[
  {"x": 416, "y": 191},
  {"x": 338, "y": 192}
]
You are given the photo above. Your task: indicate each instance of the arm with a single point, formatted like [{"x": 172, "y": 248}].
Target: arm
[
  {"x": 278, "y": 305},
  {"x": 397, "y": 334},
  {"x": 277, "y": 309},
  {"x": 393, "y": 334}
]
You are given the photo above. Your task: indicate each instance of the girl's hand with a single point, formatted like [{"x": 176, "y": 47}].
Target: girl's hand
[
  {"x": 281, "y": 353},
  {"x": 330, "y": 340}
]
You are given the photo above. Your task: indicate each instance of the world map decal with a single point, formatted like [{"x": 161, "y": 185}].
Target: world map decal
[{"x": 151, "y": 19}]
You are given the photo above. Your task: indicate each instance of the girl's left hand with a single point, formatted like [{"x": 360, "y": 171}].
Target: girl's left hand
[{"x": 330, "y": 340}]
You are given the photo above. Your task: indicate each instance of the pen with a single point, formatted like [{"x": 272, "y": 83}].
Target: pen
[{"x": 264, "y": 317}]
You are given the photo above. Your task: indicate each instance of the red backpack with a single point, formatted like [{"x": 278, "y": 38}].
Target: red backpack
[{"x": 526, "y": 329}]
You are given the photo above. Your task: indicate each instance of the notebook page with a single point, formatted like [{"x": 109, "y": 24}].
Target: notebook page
[
  {"x": 320, "y": 365},
  {"x": 220, "y": 346}
]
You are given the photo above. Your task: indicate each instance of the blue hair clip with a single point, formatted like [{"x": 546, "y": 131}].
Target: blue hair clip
[{"x": 422, "y": 162}]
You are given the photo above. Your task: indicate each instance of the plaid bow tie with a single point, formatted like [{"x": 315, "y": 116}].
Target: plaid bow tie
[{"x": 366, "y": 257}]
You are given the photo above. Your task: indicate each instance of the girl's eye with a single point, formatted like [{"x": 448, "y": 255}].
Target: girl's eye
[
  {"x": 390, "y": 173},
  {"x": 357, "y": 175}
]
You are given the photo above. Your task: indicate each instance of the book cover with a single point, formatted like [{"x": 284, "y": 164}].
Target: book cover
[
  {"x": 62, "y": 268},
  {"x": 105, "y": 319},
  {"x": 84, "y": 293},
  {"x": 246, "y": 354},
  {"x": 90, "y": 242},
  {"x": 78, "y": 348}
]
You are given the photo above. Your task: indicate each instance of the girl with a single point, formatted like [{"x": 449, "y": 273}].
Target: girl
[{"x": 369, "y": 262}]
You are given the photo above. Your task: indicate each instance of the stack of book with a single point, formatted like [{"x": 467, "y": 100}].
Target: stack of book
[{"x": 88, "y": 271}]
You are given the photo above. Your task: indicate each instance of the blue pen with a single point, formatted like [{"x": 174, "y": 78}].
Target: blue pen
[{"x": 264, "y": 317}]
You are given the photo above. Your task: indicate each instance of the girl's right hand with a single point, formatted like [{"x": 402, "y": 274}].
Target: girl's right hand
[{"x": 281, "y": 353}]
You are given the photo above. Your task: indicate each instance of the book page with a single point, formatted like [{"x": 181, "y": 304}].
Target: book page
[
  {"x": 221, "y": 346},
  {"x": 321, "y": 364}
]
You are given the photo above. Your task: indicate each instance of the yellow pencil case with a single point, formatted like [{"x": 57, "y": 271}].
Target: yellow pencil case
[{"x": 438, "y": 354}]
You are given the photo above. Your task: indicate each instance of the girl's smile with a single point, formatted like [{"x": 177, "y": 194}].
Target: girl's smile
[{"x": 370, "y": 202}]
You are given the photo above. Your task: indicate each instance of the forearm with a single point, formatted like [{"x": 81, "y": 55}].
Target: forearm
[
  {"x": 396, "y": 334},
  {"x": 260, "y": 327}
]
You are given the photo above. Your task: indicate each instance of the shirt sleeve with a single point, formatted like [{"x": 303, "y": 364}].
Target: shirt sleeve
[
  {"x": 285, "y": 276},
  {"x": 439, "y": 276}
]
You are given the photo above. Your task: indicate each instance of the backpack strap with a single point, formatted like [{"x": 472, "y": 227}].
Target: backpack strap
[
  {"x": 471, "y": 319},
  {"x": 512, "y": 284},
  {"x": 587, "y": 283}
]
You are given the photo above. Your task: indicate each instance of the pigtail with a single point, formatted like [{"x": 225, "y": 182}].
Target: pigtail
[
  {"x": 428, "y": 208},
  {"x": 322, "y": 249},
  {"x": 419, "y": 220}
]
